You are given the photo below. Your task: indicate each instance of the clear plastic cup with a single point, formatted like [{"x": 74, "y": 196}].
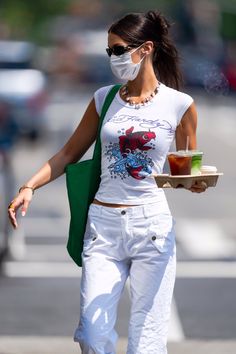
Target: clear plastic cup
[
  {"x": 196, "y": 161},
  {"x": 180, "y": 163}
]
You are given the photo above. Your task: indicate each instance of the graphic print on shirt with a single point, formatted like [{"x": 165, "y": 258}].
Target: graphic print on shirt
[{"x": 130, "y": 154}]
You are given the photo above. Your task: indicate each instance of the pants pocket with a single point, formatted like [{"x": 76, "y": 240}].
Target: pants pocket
[
  {"x": 91, "y": 234},
  {"x": 161, "y": 233},
  {"x": 88, "y": 243}
]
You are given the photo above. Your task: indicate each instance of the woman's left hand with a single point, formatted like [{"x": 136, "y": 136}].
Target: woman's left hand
[{"x": 198, "y": 187}]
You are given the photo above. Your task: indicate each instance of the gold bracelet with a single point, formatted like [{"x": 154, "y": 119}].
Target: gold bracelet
[{"x": 24, "y": 187}]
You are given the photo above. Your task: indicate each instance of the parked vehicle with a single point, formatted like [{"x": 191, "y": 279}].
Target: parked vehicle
[
  {"x": 89, "y": 57},
  {"x": 8, "y": 136},
  {"x": 5, "y": 195},
  {"x": 22, "y": 86},
  {"x": 201, "y": 72},
  {"x": 93, "y": 61}
]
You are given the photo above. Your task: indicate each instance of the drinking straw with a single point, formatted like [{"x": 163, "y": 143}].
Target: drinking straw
[{"x": 187, "y": 143}]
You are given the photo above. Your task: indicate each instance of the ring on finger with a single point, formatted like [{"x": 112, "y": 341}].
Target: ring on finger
[{"x": 10, "y": 206}]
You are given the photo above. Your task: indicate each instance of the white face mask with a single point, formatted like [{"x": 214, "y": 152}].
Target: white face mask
[{"x": 123, "y": 67}]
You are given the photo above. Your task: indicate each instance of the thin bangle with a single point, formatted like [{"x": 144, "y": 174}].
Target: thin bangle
[{"x": 24, "y": 187}]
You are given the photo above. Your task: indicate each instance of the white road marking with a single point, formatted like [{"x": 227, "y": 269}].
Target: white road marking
[
  {"x": 41, "y": 270},
  {"x": 176, "y": 332},
  {"x": 206, "y": 270},
  {"x": 70, "y": 270},
  {"x": 46, "y": 253},
  {"x": 204, "y": 239}
]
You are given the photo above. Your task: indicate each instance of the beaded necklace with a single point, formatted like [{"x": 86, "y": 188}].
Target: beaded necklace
[{"x": 146, "y": 100}]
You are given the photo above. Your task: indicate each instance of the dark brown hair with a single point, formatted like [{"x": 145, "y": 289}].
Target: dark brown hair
[{"x": 137, "y": 28}]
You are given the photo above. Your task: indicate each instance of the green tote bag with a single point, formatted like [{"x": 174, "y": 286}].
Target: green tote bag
[{"x": 82, "y": 182}]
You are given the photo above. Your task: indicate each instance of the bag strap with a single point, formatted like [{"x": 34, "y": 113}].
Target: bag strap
[{"x": 109, "y": 98}]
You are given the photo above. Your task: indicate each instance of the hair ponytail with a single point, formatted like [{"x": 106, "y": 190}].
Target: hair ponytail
[
  {"x": 136, "y": 28},
  {"x": 165, "y": 56}
]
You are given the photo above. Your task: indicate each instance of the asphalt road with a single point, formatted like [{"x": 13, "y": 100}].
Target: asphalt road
[{"x": 39, "y": 285}]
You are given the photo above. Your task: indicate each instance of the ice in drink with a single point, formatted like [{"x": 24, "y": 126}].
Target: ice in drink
[
  {"x": 180, "y": 163},
  {"x": 196, "y": 160}
]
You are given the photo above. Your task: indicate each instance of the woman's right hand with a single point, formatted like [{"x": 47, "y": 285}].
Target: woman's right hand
[{"x": 23, "y": 200}]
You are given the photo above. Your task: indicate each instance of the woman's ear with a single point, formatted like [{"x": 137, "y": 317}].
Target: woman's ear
[{"x": 147, "y": 47}]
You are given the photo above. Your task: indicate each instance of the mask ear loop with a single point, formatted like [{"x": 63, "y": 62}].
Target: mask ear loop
[
  {"x": 145, "y": 53},
  {"x": 133, "y": 51}
]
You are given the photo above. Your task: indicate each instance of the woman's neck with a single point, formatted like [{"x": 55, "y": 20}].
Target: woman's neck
[{"x": 145, "y": 83}]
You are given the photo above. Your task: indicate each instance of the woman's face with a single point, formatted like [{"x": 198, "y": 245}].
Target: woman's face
[{"x": 114, "y": 40}]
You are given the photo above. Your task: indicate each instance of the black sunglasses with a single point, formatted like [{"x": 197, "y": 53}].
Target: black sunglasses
[{"x": 118, "y": 49}]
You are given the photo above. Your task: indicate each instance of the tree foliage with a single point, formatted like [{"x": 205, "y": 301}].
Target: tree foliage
[
  {"x": 25, "y": 17},
  {"x": 29, "y": 15}
]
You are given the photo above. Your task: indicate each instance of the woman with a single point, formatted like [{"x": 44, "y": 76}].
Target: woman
[{"x": 129, "y": 230}]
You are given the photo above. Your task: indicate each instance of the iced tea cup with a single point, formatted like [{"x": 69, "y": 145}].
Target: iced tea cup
[
  {"x": 196, "y": 161},
  {"x": 180, "y": 163}
]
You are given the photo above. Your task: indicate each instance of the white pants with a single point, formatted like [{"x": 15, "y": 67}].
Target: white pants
[{"x": 138, "y": 242}]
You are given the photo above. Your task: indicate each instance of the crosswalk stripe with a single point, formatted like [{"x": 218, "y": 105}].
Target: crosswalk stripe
[
  {"x": 206, "y": 269},
  {"x": 70, "y": 270},
  {"x": 176, "y": 332},
  {"x": 41, "y": 270},
  {"x": 203, "y": 239}
]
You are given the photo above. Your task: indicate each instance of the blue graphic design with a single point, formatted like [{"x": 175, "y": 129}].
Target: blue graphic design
[{"x": 130, "y": 155}]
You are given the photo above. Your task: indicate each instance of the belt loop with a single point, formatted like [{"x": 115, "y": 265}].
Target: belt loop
[
  {"x": 146, "y": 210},
  {"x": 100, "y": 210}
]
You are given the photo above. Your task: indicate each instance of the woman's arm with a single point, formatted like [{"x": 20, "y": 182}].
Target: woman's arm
[
  {"x": 188, "y": 128},
  {"x": 74, "y": 149}
]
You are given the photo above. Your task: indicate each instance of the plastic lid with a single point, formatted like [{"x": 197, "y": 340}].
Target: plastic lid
[
  {"x": 180, "y": 153},
  {"x": 209, "y": 169},
  {"x": 192, "y": 152}
]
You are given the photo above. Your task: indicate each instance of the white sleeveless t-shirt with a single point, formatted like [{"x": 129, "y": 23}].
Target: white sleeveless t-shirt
[{"x": 135, "y": 143}]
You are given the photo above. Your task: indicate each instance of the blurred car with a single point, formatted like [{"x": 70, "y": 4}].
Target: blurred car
[
  {"x": 230, "y": 72},
  {"x": 8, "y": 136},
  {"x": 22, "y": 86},
  {"x": 93, "y": 61},
  {"x": 5, "y": 194},
  {"x": 201, "y": 72}
]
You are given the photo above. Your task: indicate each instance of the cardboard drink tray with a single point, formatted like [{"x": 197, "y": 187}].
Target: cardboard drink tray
[{"x": 186, "y": 181}]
